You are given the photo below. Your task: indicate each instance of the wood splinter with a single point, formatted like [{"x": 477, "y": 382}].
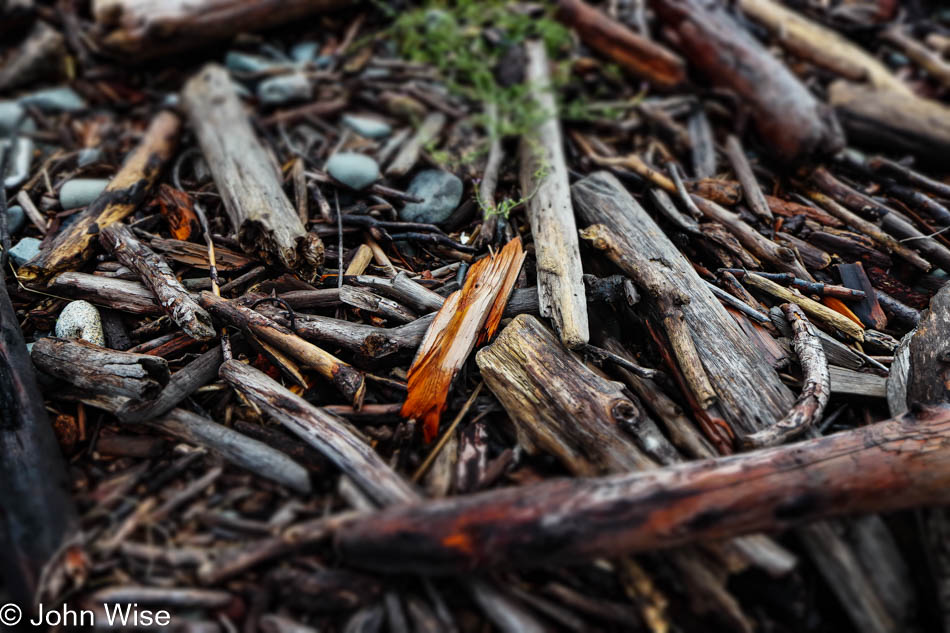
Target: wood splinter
[
  {"x": 157, "y": 275},
  {"x": 815, "y": 393},
  {"x": 668, "y": 300}
]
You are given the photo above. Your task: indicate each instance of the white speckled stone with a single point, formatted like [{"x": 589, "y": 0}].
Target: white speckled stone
[{"x": 80, "y": 319}]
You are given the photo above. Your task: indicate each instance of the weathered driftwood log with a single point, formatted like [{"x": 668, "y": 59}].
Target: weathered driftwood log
[
  {"x": 74, "y": 245},
  {"x": 641, "y": 56},
  {"x": 786, "y": 115},
  {"x": 157, "y": 275},
  {"x": 182, "y": 384},
  {"x": 895, "y": 464},
  {"x": 118, "y": 294},
  {"x": 892, "y": 120},
  {"x": 560, "y": 273},
  {"x": 246, "y": 177},
  {"x": 750, "y": 186},
  {"x": 366, "y": 300},
  {"x": 405, "y": 290},
  {"x": 138, "y": 30},
  {"x": 822, "y": 46},
  {"x": 668, "y": 301},
  {"x": 39, "y": 520},
  {"x": 99, "y": 369},
  {"x": 408, "y": 154},
  {"x": 343, "y": 376},
  {"x": 560, "y": 406},
  {"x": 750, "y": 393},
  {"x": 815, "y": 392},
  {"x": 928, "y": 378}
]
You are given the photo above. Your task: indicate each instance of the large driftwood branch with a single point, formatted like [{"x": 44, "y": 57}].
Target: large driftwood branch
[
  {"x": 143, "y": 29},
  {"x": 39, "y": 520},
  {"x": 265, "y": 220},
  {"x": 815, "y": 392},
  {"x": 75, "y": 245},
  {"x": 750, "y": 393},
  {"x": 544, "y": 182},
  {"x": 99, "y": 369},
  {"x": 157, "y": 275},
  {"x": 895, "y": 464},
  {"x": 786, "y": 115}
]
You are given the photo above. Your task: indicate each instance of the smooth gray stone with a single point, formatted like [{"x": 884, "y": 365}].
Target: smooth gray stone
[
  {"x": 80, "y": 319},
  {"x": 79, "y": 192},
  {"x": 246, "y": 63},
  {"x": 367, "y": 126},
  {"x": 304, "y": 52},
  {"x": 441, "y": 193},
  {"x": 19, "y": 161},
  {"x": 11, "y": 113},
  {"x": 24, "y": 250},
  {"x": 16, "y": 218},
  {"x": 62, "y": 99},
  {"x": 88, "y": 156},
  {"x": 284, "y": 88},
  {"x": 356, "y": 171}
]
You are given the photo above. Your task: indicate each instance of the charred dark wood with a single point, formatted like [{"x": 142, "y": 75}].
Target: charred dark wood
[
  {"x": 99, "y": 369},
  {"x": 75, "y": 245},
  {"x": 899, "y": 463},
  {"x": 867, "y": 309}
]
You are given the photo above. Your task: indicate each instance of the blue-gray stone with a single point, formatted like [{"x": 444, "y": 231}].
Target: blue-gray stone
[
  {"x": 25, "y": 250},
  {"x": 245, "y": 63},
  {"x": 356, "y": 171},
  {"x": 79, "y": 192},
  {"x": 284, "y": 88},
  {"x": 11, "y": 113},
  {"x": 367, "y": 126},
  {"x": 20, "y": 158},
  {"x": 441, "y": 193},
  {"x": 304, "y": 52},
  {"x": 88, "y": 156},
  {"x": 62, "y": 99},
  {"x": 16, "y": 218},
  {"x": 324, "y": 61}
]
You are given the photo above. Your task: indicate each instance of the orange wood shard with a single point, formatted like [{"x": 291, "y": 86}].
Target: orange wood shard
[{"x": 468, "y": 318}]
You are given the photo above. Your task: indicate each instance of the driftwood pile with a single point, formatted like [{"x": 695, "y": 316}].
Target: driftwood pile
[{"x": 696, "y": 379}]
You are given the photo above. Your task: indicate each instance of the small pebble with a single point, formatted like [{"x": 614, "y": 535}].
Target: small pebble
[
  {"x": 62, "y": 99},
  {"x": 80, "y": 319},
  {"x": 284, "y": 88},
  {"x": 88, "y": 156},
  {"x": 441, "y": 193},
  {"x": 356, "y": 171},
  {"x": 246, "y": 63},
  {"x": 19, "y": 160},
  {"x": 367, "y": 126},
  {"x": 79, "y": 192},
  {"x": 304, "y": 52},
  {"x": 24, "y": 250},
  {"x": 11, "y": 114},
  {"x": 16, "y": 218}
]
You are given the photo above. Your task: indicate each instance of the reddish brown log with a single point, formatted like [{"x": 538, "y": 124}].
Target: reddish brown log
[
  {"x": 899, "y": 463},
  {"x": 787, "y": 117},
  {"x": 634, "y": 52}
]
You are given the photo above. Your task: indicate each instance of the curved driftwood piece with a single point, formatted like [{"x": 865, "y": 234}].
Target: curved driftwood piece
[
  {"x": 899, "y": 463},
  {"x": 39, "y": 521},
  {"x": 157, "y": 275},
  {"x": 331, "y": 435},
  {"x": 149, "y": 28},
  {"x": 815, "y": 392},
  {"x": 787, "y": 117},
  {"x": 560, "y": 272},
  {"x": 641, "y": 56},
  {"x": 99, "y": 369},
  {"x": 750, "y": 393},
  {"x": 343, "y": 376},
  {"x": 75, "y": 245},
  {"x": 246, "y": 177}
]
